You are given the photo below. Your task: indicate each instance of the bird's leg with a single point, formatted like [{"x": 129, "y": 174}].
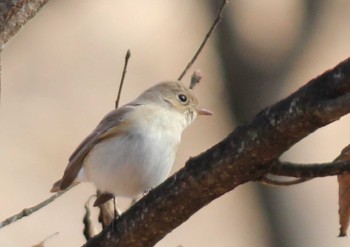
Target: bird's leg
[
  {"x": 133, "y": 201},
  {"x": 116, "y": 212}
]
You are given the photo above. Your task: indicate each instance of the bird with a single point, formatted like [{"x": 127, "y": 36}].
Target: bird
[{"x": 133, "y": 148}]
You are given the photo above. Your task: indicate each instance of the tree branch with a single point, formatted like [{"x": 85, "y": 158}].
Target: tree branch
[
  {"x": 127, "y": 57},
  {"x": 306, "y": 172},
  {"x": 245, "y": 155},
  {"x": 310, "y": 170},
  {"x": 207, "y": 36},
  {"x": 14, "y": 14},
  {"x": 276, "y": 182}
]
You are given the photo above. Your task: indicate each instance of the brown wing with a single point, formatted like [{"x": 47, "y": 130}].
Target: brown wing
[{"x": 111, "y": 125}]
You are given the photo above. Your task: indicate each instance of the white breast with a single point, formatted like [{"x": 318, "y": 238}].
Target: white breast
[{"x": 127, "y": 165}]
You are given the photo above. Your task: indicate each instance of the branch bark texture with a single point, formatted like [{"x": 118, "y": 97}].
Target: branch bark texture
[
  {"x": 14, "y": 14},
  {"x": 244, "y": 155}
]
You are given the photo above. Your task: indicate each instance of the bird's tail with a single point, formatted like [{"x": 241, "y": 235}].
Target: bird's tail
[{"x": 56, "y": 187}]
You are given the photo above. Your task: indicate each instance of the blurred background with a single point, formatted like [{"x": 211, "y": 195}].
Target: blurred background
[{"x": 60, "y": 75}]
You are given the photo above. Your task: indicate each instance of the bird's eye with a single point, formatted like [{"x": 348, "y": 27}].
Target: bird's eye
[{"x": 182, "y": 97}]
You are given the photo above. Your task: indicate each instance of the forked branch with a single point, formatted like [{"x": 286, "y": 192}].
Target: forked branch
[{"x": 247, "y": 154}]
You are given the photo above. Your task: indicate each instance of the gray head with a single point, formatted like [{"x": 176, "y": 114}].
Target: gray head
[{"x": 175, "y": 96}]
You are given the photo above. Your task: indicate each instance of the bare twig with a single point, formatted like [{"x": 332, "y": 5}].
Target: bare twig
[
  {"x": 305, "y": 172},
  {"x": 127, "y": 56},
  {"x": 105, "y": 216},
  {"x": 28, "y": 211},
  {"x": 310, "y": 170},
  {"x": 42, "y": 243},
  {"x": 269, "y": 181},
  {"x": 207, "y": 36}
]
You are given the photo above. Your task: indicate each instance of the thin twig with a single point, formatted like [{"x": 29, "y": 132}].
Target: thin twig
[
  {"x": 42, "y": 243},
  {"x": 207, "y": 36},
  {"x": 105, "y": 216},
  {"x": 28, "y": 211},
  {"x": 127, "y": 56},
  {"x": 310, "y": 170},
  {"x": 306, "y": 172},
  {"x": 275, "y": 182}
]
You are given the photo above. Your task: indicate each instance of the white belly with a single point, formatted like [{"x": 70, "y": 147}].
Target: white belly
[{"x": 129, "y": 165}]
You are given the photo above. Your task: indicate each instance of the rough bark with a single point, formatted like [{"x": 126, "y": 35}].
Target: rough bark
[
  {"x": 245, "y": 155},
  {"x": 14, "y": 14}
]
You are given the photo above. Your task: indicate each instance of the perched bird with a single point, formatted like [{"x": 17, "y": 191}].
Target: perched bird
[{"x": 133, "y": 148}]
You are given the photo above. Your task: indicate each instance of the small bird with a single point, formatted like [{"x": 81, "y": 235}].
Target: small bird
[{"x": 133, "y": 148}]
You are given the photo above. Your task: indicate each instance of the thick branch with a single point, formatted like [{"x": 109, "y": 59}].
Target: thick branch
[
  {"x": 14, "y": 14},
  {"x": 243, "y": 156}
]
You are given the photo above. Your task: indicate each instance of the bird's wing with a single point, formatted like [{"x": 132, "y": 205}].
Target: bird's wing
[{"x": 110, "y": 126}]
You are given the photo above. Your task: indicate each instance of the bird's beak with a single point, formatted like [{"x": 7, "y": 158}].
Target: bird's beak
[{"x": 203, "y": 111}]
